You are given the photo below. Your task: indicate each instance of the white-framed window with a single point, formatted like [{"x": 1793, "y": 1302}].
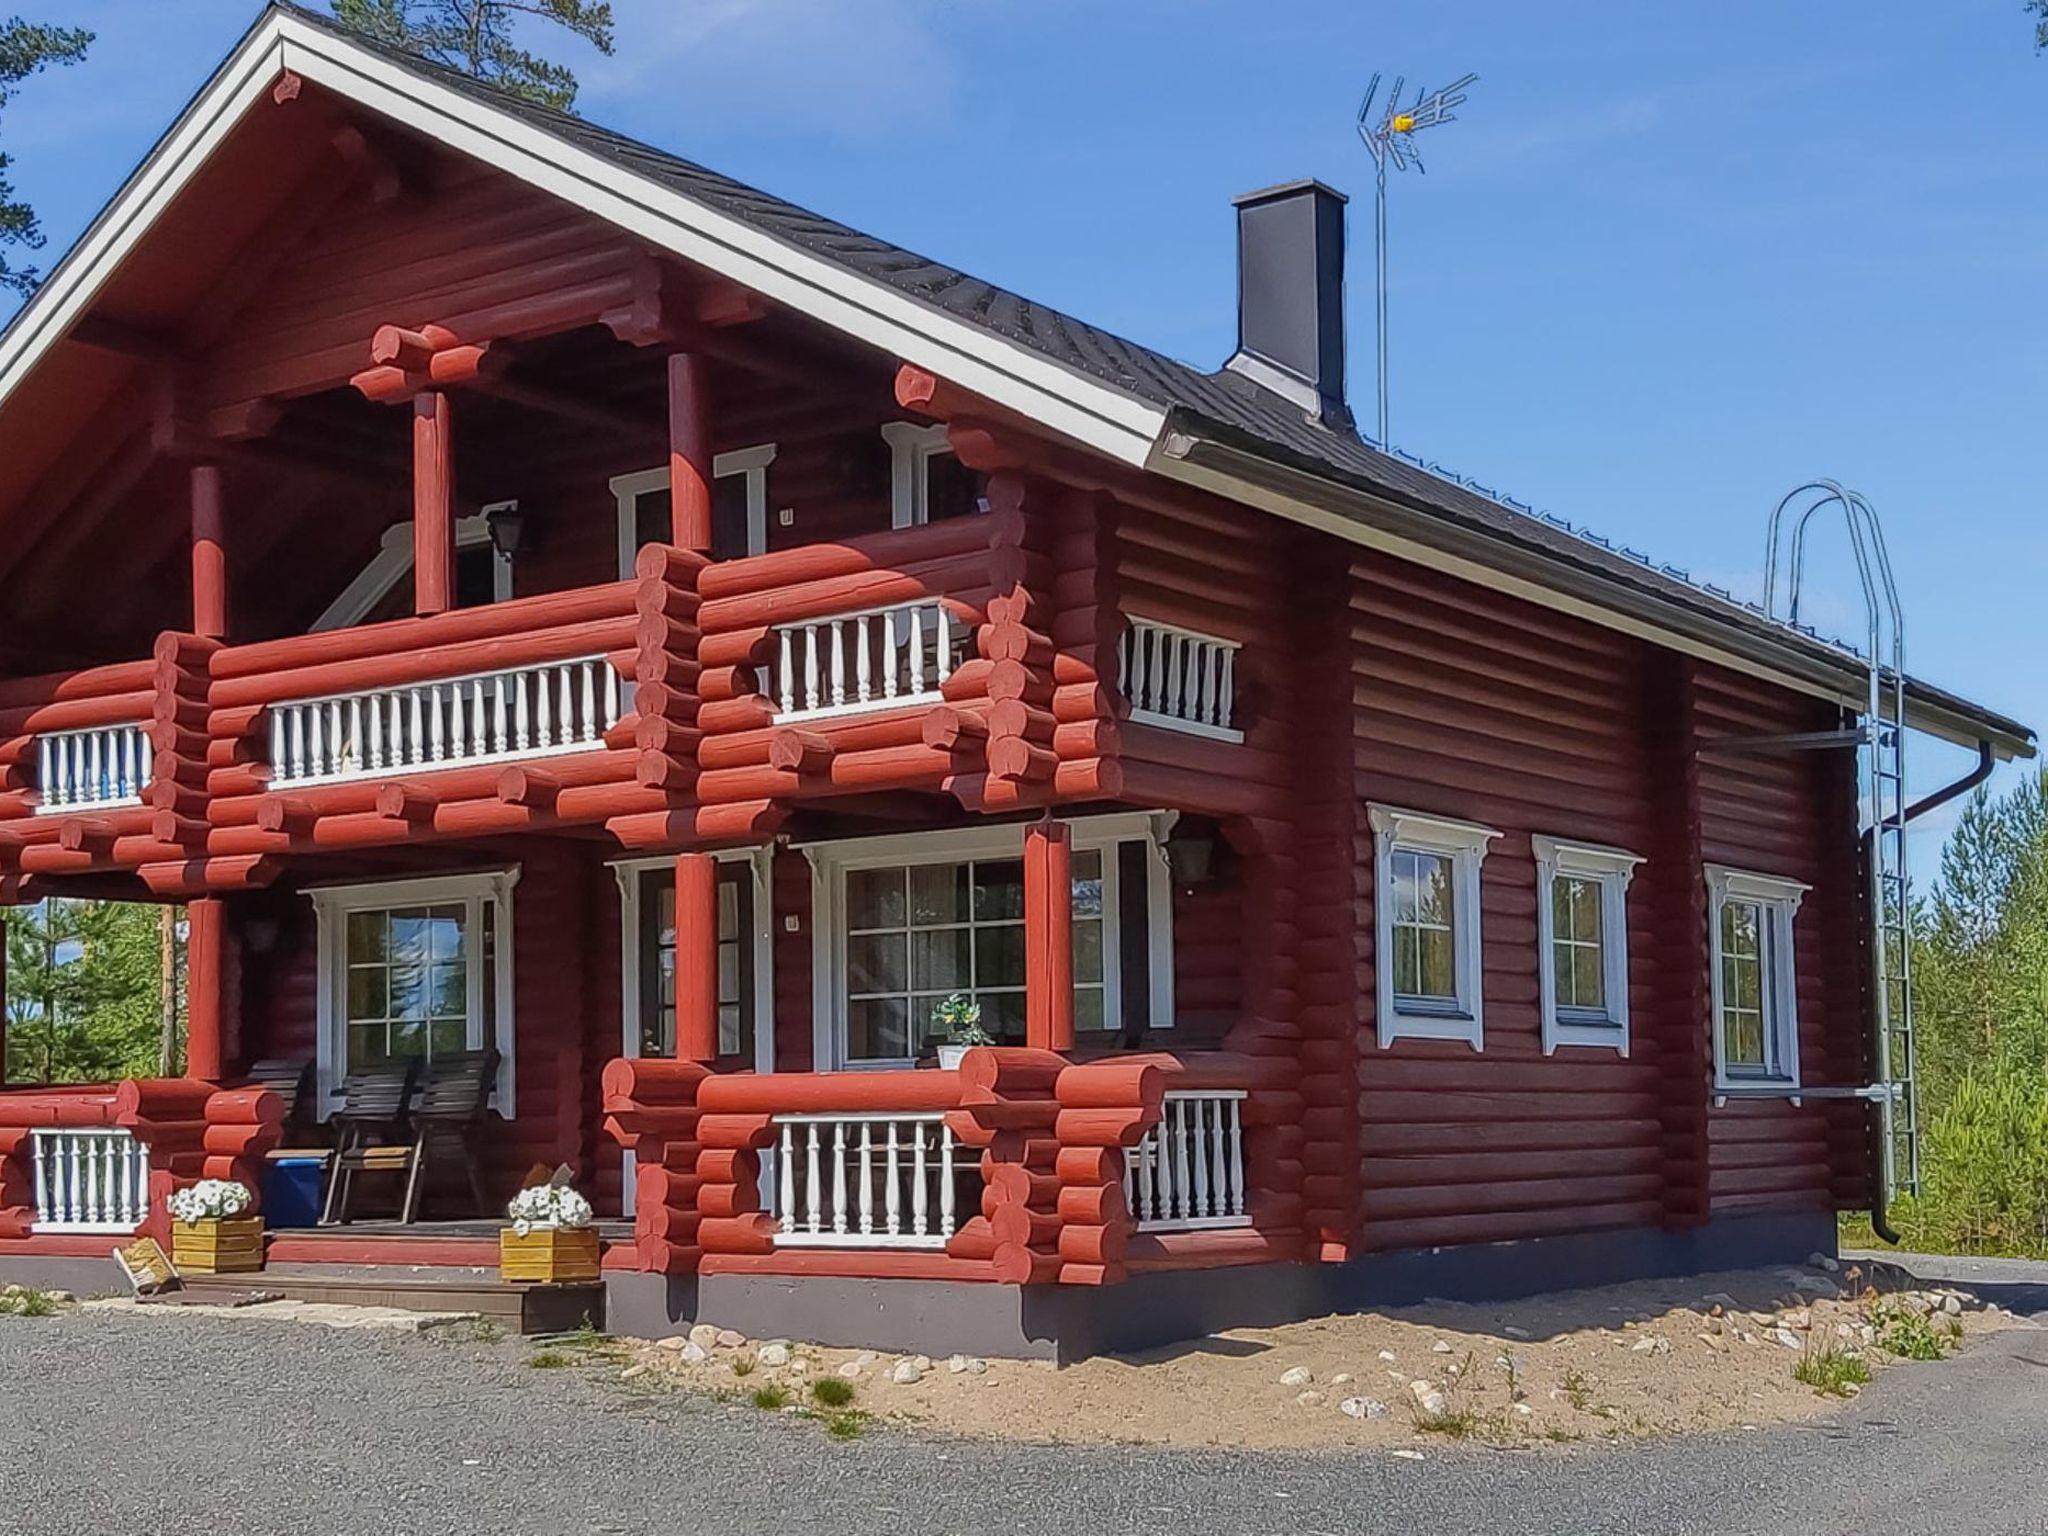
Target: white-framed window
[
  {"x": 647, "y": 948},
  {"x": 739, "y": 506},
  {"x": 927, "y": 483},
  {"x": 1753, "y": 979},
  {"x": 902, "y": 922},
  {"x": 1427, "y": 951},
  {"x": 414, "y": 969},
  {"x": 481, "y": 575},
  {"x": 1582, "y": 941}
]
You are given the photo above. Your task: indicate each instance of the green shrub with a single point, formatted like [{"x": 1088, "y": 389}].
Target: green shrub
[
  {"x": 1909, "y": 1335},
  {"x": 849, "y": 1425},
  {"x": 771, "y": 1398}
]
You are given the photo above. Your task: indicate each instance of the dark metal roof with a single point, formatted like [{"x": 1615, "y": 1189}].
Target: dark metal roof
[{"x": 1200, "y": 402}]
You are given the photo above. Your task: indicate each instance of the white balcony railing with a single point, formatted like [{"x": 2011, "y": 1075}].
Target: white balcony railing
[
  {"x": 849, "y": 663},
  {"x": 866, "y": 1181},
  {"x": 89, "y": 1180},
  {"x": 1180, "y": 679},
  {"x": 1188, "y": 1172},
  {"x": 457, "y": 722},
  {"x": 97, "y": 769}
]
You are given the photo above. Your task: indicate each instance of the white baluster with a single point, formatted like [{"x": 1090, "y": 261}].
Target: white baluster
[
  {"x": 39, "y": 1168},
  {"x": 860, "y": 659},
  {"x": 892, "y": 664},
  {"x": 565, "y": 713},
  {"x": 1236, "y": 1160},
  {"x": 946, "y": 1198},
  {"x": 611, "y": 695},
  {"x": 916, "y": 649},
  {"x": 786, "y": 1171},
  {"x": 892, "y": 1189},
  {"x": 587, "y": 672},
  {"x": 920, "y": 1200},
  {"x": 867, "y": 1178},
  {"x": 839, "y": 1176},
  {"x": 811, "y": 695},
  {"x": 945, "y": 640},
  {"x": 1198, "y": 1148},
  {"x": 786, "y": 678},
  {"x": 814, "y": 1191}
]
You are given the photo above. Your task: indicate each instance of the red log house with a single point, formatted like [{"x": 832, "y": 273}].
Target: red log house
[{"x": 515, "y": 587}]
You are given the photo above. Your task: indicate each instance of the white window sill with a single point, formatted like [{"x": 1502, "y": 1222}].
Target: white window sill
[
  {"x": 1612, "y": 1036},
  {"x": 1402, "y": 1025},
  {"x": 1723, "y": 1092}
]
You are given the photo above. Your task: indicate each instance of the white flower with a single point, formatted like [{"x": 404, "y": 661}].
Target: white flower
[
  {"x": 209, "y": 1200},
  {"x": 548, "y": 1206}
]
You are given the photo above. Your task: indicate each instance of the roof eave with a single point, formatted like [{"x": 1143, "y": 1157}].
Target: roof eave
[{"x": 1215, "y": 458}]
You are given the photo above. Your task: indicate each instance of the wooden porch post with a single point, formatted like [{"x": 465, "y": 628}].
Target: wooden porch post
[
  {"x": 689, "y": 453},
  {"x": 205, "y": 936},
  {"x": 433, "y": 503},
  {"x": 1049, "y": 936},
  {"x": 696, "y": 957},
  {"x": 209, "y": 554}
]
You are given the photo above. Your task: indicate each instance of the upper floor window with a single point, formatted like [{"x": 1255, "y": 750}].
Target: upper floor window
[
  {"x": 1426, "y": 905},
  {"x": 739, "y": 506},
  {"x": 1755, "y": 995},
  {"x": 1582, "y": 932},
  {"x": 927, "y": 483}
]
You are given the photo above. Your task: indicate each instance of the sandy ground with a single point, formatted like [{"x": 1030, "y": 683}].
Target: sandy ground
[{"x": 1649, "y": 1358}]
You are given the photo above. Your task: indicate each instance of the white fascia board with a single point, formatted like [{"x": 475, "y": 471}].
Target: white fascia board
[{"x": 1106, "y": 419}]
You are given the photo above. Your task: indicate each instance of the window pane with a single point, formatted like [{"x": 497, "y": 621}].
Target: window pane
[
  {"x": 728, "y": 973},
  {"x": 1407, "y": 962},
  {"x": 938, "y": 894},
  {"x": 1088, "y": 1009},
  {"x": 999, "y": 890},
  {"x": 449, "y": 995},
  {"x": 367, "y": 938},
  {"x": 728, "y": 909},
  {"x": 652, "y": 522},
  {"x": 1433, "y": 889},
  {"x": 366, "y": 1049},
  {"x": 877, "y": 1028},
  {"x": 1088, "y": 884},
  {"x": 875, "y": 962},
  {"x": 951, "y": 488},
  {"x": 449, "y": 1036},
  {"x": 1088, "y": 950},
  {"x": 1589, "y": 982},
  {"x": 999, "y": 956},
  {"x": 941, "y": 960},
  {"x": 729, "y": 517},
  {"x": 369, "y": 995},
  {"x": 1438, "y": 964},
  {"x": 874, "y": 898},
  {"x": 1586, "y": 910},
  {"x": 1002, "y": 1015}
]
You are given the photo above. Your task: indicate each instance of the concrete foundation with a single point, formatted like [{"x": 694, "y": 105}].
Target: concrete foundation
[
  {"x": 81, "y": 1277},
  {"x": 1064, "y": 1322}
]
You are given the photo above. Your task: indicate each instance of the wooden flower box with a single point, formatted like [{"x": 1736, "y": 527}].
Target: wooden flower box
[
  {"x": 232, "y": 1247},
  {"x": 549, "y": 1256}
]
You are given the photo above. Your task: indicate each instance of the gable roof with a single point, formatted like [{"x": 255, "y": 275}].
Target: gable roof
[{"x": 1214, "y": 430}]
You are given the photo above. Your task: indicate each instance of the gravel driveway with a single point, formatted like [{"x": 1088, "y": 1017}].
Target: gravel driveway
[{"x": 119, "y": 1423}]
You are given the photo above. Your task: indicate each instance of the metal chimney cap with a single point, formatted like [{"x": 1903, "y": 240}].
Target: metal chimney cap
[{"x": 1288, "y": 189}]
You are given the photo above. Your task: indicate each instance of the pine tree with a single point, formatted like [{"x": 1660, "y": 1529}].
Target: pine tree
[
  {"x": 475, "y": 37},
  {"x": 26, "y": 48},
  {"x": 83, "y": 991}
]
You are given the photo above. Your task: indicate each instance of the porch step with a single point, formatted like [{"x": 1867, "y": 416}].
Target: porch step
[{"x": 525, "y": 1309}]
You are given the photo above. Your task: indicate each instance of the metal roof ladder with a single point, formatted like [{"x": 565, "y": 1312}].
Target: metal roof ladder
[{"x": 1880, "y": 736}]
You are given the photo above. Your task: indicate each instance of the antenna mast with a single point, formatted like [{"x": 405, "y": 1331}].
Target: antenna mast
[{"x": 1390, "y": 138}]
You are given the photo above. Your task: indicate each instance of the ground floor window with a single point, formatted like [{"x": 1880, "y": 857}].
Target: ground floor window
[
  {"x": 414, "y": 970},
  {"x": 1755, "y": 995},
  {"x": 1427, "y": 951},
  {"x": 1582, "y": 933},
  {"x": 903, "y": 923}
]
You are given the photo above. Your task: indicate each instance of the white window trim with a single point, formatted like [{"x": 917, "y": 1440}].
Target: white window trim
[
  {"x": 393, "y": 563},
  {"x": 628, "y": 873},
  {"x": 911, "y": 450},
  {"x": 1612, "y": 869},
  {"x": 331, "y": 906},
  {"x": 752, "y": 462},
  {"x": 1779, "y": 897},
  {"x": 1466, "y": 843},
  {"x": 830, "y": 862}
]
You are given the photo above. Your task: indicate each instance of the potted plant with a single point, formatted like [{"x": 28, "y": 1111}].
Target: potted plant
[
  {"x": 957, "y": 1021},
  {"x": 211, "y": 1232},
  {"x": 552, "y": 1239}
]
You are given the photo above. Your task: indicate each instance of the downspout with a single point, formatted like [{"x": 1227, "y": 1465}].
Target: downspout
[{"x": 1880, "y": 1217}]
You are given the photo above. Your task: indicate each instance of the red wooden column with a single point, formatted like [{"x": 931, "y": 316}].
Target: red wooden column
[
  {"x": 209, "y": 554},
  {"x": 696, "y": 957},
  {"x": 689, "y": 453},
  {"x": 205, "y": 938},
  {"x": 1049, "y": 936},
  {"x": 433, "y": 503}
]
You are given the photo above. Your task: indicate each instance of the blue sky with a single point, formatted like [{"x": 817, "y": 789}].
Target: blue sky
[{"x": 1673, "y": 259}]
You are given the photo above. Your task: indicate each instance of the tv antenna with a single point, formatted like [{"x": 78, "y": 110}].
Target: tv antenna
[{"x": 1390, "y": 137}]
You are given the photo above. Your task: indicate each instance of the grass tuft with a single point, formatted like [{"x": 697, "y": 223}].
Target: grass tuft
[
  {"x": 1577, "y": 1390},
  {"x": 832, "y": 1391},
  {"x": 850, "y": 1425},
  {"x": 552, "y": 1360},
  {"x": 1831, "y": 1370},
  {"x": 29, "y": 1303},
  {"x": 771, "y": 1398}
]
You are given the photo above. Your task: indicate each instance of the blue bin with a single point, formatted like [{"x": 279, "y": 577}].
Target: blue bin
[{"x": 292, "y": 1187}]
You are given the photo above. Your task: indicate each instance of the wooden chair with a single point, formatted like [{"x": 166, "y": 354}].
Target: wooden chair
[
  {"x": 369, "y": 1131},
  {"x": 291, "y": 1079},
  {"x": 454, "y": 1099}
]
